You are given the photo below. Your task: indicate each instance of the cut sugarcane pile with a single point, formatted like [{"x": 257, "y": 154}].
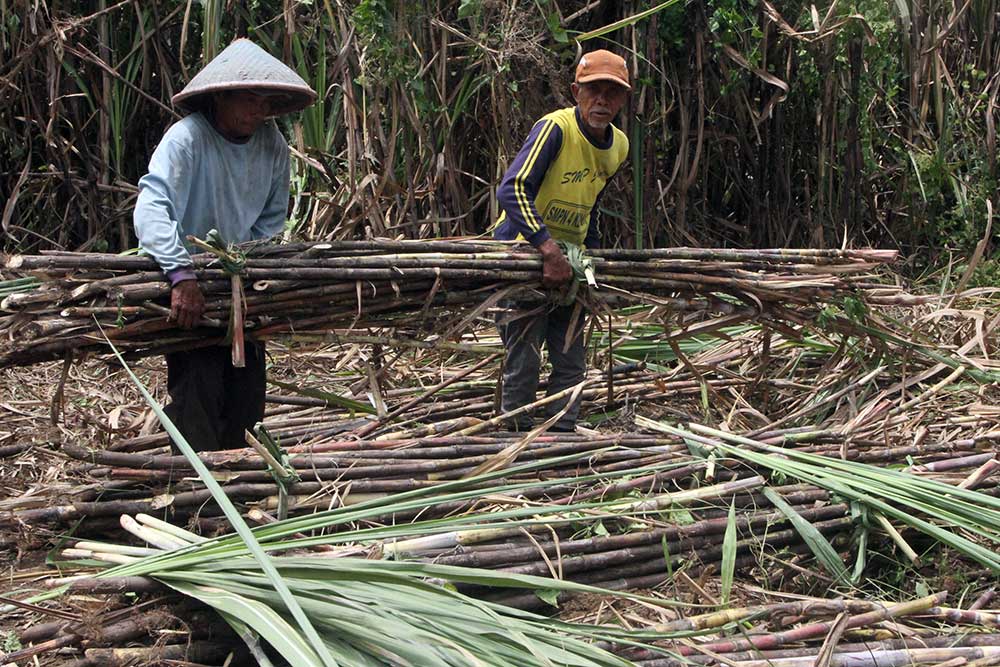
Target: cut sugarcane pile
[
  {"x": 627, "y": 511},
  {"x": 347, "y": 596},
  {"x": 654, "y": 496},
  {"x": 465, "y": 532},
  {"x": 429, "y": 286},
  {"x": 336, "y": 464}
]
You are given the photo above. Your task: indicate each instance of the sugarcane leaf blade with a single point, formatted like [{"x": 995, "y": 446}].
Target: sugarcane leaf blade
[
  {"x": 728, "y": 554},
  {"x": 331, "y": 398},
  {"x": 817, "y": 543},
  {"x": 256, "y": 615}
]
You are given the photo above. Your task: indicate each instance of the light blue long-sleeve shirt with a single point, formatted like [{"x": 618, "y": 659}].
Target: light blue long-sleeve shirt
[{"x": 198, "y": 181}]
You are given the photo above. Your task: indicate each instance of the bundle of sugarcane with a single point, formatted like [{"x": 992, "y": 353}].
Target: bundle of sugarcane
[
  {"x": 337, "y": 463},
  {"x": 837, "y": 632},
  {"x": 452, "y": 457},
  {"x": 357, "y": 611},
  {"x": 383, "y": 594},
  {"x": 350, "y": 471},
  {"x": 535, "y": 514},
  {"x": 272, "y": 289}
]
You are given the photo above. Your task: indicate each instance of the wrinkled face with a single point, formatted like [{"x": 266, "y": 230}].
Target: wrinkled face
[
  {"x": 240, "y": 113},
  {"x": 599, "y": 102}
]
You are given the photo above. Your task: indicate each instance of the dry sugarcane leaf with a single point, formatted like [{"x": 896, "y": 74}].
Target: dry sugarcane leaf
[
  {"x": 977, "y": 254},
  {"x": 15, "y": 193}
]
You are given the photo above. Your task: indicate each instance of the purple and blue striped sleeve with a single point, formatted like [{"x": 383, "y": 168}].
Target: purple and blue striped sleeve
[{"x": 520, "y": 184}]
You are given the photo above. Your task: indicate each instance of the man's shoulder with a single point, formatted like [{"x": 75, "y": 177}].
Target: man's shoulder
[
  {"x": 275, "y": 135},
  {"x": 188, "y": 132},
  {"x": 269, "y": 140},
  {"x": 620, "y": 138},
  {"x": 561, "y": 117}
]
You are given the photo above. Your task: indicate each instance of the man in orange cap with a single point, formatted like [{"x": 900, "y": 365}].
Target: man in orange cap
[{"x": 550, "y": 193}]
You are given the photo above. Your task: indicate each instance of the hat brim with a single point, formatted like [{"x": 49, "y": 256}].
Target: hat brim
[
  {"x": 296, "y": 97},
  {"x": 604, "y": 77}
]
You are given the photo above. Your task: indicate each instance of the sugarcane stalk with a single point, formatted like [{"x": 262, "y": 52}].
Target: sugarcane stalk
[
  {"x": 108, "y": 585},
  {"x": 821, "y": 628},
  {"x": 966, "y": 616},
  {"x": 15, "y": 449},
  {"x": 871, "y": 646},
  {"x": 177, "y": 533},
  {"x": 627, "y": 581},
  {"x": 124, "y": 549},
  {"x": 606, "y": 565},
  {"x": 894, "y": 535},
  {"x": 395, "y": 412},
  {"x": 468, "y": 537},
  {"x": 984, "y": 599},
  {"x": 152, "y": 535},
  {"x": 798, "y": 608},
  {"x": 642, "y": 544},
  {"x": 192, "y": 652},
  {"x": 952, "y": 463},
  {"x": 980, "y": 473},
  {"x": 899, "y": 657},
  {"x": 118, "y": 632}
]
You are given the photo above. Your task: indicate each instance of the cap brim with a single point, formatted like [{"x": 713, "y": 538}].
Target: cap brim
[{"x": 604, "y": 77}]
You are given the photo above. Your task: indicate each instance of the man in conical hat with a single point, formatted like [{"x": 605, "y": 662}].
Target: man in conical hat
[{"x": 224, "y": 167}]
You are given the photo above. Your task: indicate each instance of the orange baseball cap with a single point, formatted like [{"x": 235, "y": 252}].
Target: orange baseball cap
[{"x": 602, "y": 66}]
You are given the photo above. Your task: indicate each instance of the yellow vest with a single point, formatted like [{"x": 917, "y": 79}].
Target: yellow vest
[{"x": 574, "y": 178}]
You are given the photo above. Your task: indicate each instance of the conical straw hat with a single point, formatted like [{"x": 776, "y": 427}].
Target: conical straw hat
[{"x": 245, "y": 66}]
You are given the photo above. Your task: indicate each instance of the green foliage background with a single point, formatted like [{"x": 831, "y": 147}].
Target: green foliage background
[{"x": 752, "y": 123}]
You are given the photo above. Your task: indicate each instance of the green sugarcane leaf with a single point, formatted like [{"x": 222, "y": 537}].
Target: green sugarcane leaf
[
  {"x": 729, "y": 554},
  {"x": 697, "y": 449},
  {"x": 666, "y": 557},
  {"x": 412, "y": 619},
  {"x": 680, "y": 516},
  {"x": 332, "y": 399},
  {"x": 335, "y": 567},
  {"x": 896, "y": 494},
  {"x": 262, "y": 618},
  {"x": 860, "y": 514},
  {"x": 861, "y": 560},
  {"x": 817, "y": 543},
  {"x": 549, "y": 596},
  {"x": 625, "y": 22}
]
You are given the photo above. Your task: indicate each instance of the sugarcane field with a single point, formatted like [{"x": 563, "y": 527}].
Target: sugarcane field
[{"x": 507, "y": 333}]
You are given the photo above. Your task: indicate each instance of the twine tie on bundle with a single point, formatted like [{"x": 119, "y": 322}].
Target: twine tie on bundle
[
  {"x": 233, "y": 262},
  {"x": 583, "y": 271}
]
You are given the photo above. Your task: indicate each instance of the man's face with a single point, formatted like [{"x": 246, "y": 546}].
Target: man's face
[
  {"x": 240, "y": 113},
  {"x": 599, "y": 102}
]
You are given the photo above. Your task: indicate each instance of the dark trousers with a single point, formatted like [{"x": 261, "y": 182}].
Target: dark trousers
[
  {"x": 523, "y": 337},
  {"x": 211, "y": 402}
]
